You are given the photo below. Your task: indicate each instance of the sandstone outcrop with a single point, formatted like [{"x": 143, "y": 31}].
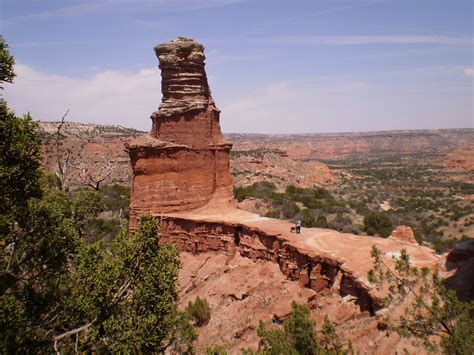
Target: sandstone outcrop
[
  {"x": 251, "y": 167},
  {"x": 319, "y": 259},
  {"x": 183, "y": 163},
  {"x": 403, "y": 234},
  {"x": 461, "y": 159},
  {"x": 461, "y": 252},
  {"x": 242, "y": 291}
]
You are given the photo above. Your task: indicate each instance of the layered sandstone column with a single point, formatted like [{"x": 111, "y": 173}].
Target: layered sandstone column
[{"x": 183, "y": 163}]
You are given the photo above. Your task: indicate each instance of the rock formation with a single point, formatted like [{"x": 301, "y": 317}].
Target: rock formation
[
  {"x": 181, "y": 174},
  {"x": 183, "y": 163},
  {"x": 461, "y": 260},
  {"x": 317, "y": 258},
  {"x": 404, "y": 234}
]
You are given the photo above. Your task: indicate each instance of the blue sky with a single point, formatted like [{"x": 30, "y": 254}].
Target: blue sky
[{"x": 274, "y": 66}]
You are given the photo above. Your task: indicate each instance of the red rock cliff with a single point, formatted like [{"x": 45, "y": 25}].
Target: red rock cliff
[{"x": 183, "y": 163}]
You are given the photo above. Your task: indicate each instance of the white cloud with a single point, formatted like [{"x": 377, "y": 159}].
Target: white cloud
[
  {"x": 338, "y": 105},
  {"x": 291, "y": 107},
  {"x": 327, "y": 104},
  {"x": 128, "y": 99},
  {"x": 93, "y": 6},
  {"x": 359, "y": 40},
  {"x": 469, "y": 72},
  {"x": 309, "y": 15},
  {"x": 108, "y": 97}
]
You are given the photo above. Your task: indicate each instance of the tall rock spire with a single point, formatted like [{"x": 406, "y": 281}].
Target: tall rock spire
[
  {"x": 183, "y": 164},
  {"x": 184, "y": 83},
  {"x": 187, "y": 113}
]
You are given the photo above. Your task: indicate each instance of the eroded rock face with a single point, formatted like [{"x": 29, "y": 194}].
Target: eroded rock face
[
  {"x": 183, "y": 163},
  {"x": 461, "y": 260},
  {"x": 404, "y": 234},
  {"x": 184, "y": 82},
  {"x": 316, "y": 272}
]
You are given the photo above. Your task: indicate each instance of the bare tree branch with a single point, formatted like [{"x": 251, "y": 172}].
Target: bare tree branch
[
  {"x": 61, "y": 166},
  {"x": 89, "y": 178},
  {"x": 95, "y": 183},
  {"x": 73, "y": 331}
]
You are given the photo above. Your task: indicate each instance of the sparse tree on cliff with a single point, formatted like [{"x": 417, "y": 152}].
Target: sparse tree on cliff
[
  {"x": 377, "y": 223},
  {"x": 199, "y": 311},
  {"x": 72, "y": 161},
  {"x": 434, "y": 312},
  {"x": 299, "y": 337},
  {"x": 94, "y": 177}
]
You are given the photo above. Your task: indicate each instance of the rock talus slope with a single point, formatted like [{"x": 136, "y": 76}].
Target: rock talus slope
[{"x": 183, "y": 163}]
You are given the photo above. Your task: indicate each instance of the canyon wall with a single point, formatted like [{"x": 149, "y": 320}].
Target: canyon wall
[
  {"x": 183, "y": 163},
  {"x": 317, "y": 146},
  {"x": 311, "y": 269}
]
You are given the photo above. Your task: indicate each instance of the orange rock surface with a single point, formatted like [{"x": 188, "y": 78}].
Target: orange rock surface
[
  {"x": 281, "y": 170},
  {"x": 317, "y": 258},
  {"x": 403, "y": 234}
]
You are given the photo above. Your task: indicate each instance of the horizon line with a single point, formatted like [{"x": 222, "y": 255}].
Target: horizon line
[{"x": 401, "y": 130}]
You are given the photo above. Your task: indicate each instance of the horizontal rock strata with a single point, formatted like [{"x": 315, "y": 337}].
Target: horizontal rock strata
[
  {"x": 184, "y": 83},
  {"x": 183, "y": 164},
  {"x": 318, "y": 259},
  {"x": 313, "y": 271}
]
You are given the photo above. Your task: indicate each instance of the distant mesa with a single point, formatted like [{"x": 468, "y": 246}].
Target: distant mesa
[{"x": 183, "y": 163}]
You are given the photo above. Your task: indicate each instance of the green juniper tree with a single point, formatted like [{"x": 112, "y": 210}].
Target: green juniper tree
[
  {"x": 377, "y": 223},
  {"x": 199, "y": 311},
  {"x": 7, "y": 74},
  {"x": 434, "y": 312},
  {"x": 216, "y": 350},
  {"x": 123, "y": 298},
  {"x": 58, "y": 292},
  {"x": 299, "y": 337}
]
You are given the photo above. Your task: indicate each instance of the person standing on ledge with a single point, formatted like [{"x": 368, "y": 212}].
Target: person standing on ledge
[{"x": 298, "y": 227}]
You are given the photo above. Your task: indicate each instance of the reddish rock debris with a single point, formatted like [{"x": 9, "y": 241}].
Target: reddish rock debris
[{"x": 404, "y": 234}]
